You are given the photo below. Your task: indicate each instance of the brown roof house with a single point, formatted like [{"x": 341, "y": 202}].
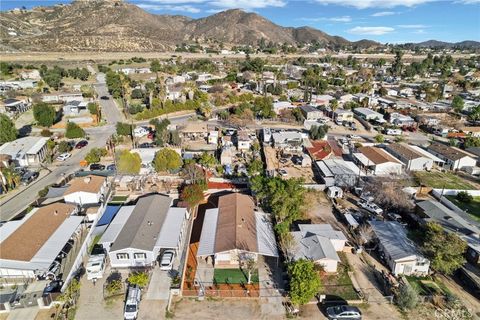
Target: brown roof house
[
  {"x": 29, "y": 247},
  {"x": 455, "y": 159},
  {"x": 378, "y": 161},
  {"x": 86, "y": 190},
  {"x": 236, "y": 231}
]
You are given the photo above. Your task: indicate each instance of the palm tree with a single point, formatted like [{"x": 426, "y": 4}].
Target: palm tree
[
  {"x": 333, "y": 106},
  {"x": 9, "y": 178}
]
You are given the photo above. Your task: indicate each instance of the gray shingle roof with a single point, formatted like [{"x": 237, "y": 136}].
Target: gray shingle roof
[
  {"x": 144, "y": 224},
  {"x": 313, "y": 247}
]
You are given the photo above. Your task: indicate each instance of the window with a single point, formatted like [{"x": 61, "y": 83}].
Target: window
[
  {"x": 122, "y": 256},
  {"x": 139, "y": 256}
]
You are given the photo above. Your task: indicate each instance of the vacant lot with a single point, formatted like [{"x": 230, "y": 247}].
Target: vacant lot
[
  {"x": 217, "y": 309},
  {"x": 439, "y": 180},
  {"x": 472, "y": 208}
]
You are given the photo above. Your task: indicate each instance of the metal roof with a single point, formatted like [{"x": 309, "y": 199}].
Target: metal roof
[
  {"x": 117, "y": 224},
  {"x": 322, "y": 229},
  {"x": 426, "y": 153},
  {"x": 27, "y": 145},
  {"x": 108, "y": 215},
  {"x": 206, "y": 246},
  {"x": 267, "y": 245},
  {"x": 144, "y": 224},
  {"x": 171, "y": 229},
  {"x": 394, "y": 240}
]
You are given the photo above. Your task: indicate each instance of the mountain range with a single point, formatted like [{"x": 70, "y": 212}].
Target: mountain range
[{"x": 114, "y": 25}]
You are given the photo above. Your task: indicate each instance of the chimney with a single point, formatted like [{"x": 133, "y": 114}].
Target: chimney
[{"x": 87, "y": 180}]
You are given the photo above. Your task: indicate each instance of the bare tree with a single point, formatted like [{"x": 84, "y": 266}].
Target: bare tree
[
  {"x": 388, "y": 193},
  {"x": 363, "y": 234},
  {"x": 288, "y": 244}
]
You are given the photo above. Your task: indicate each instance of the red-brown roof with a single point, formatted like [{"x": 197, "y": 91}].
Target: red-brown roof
[{"x": 319, "y": 150}]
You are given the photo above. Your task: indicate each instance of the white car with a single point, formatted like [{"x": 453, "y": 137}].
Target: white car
[
  {"x": 354, "y": 136},
  {"x": 64, "y": 156},
  {"x": 95, "y": 266},
  {"x": 140, "y": 132},
  {"x": 166, "y": 263},
  {"x": 372, "y": 207}
]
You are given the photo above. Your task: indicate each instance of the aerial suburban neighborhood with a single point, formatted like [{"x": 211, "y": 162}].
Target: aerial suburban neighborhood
[{"x": 213, "y": 178}]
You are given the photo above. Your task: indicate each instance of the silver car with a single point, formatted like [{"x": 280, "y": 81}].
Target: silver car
[{"x": 343, "y": 313}]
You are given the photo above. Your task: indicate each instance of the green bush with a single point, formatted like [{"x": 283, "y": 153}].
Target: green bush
[
  {"x": 64, "y": 146},
  {"x": 464, "y": 197},
  {"x": 95, "y": 155},
  {"x": 74, "y": 131},
  {"x": 138, "y": 278},
  {"x": 44, "y": 114},
  {"x": 46, "y": 133},
  {"x": 407, "y": 297}
]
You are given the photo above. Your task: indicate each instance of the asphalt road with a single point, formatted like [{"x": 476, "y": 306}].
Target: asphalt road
[{"x": 11, "y": 206}]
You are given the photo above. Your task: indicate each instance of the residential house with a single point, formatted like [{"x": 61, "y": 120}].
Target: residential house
[
  {"x": 151, "y": 226},
  {"x": 341, "y": 115},
  {"x": 288, "y": 140},
  {"x": 472, "y": 131},
  {"x": 378, "y": 161},
  {"x": 244, "y": 142},
  {"x": 236, "y": 231},
  {"x": 73, "y": 107},
  {"x": 401, "y": 120},
  {"x": 369, "y": 114},
  {"x": 401, "y": 255},
  {"x": 320, "y": 150},
  {"x": 455, "y": 159},
  {"x": 17, "y": 105},
  {"x": 459, "y": 223},
  {"x": 322, "y": 100},
  {"x": 319, "y": 243},
  {"x": 91, "y": 189},
  {"x": 311, "y": 113},
  {"x": 30, "y": 247},
  {"x": 27, "y": 151},
  {"x": 226, "y": 156},
  {"x": 282, "y": 105},
  {"x": 338, "y": 172},
  {"x": 413, "y": 160}
]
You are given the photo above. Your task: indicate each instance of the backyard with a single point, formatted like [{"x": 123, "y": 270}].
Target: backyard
[
  {"x": 440, "y": 180},
  {"x": 472, "y": 207},
  {"x": 427, "y": 286}
]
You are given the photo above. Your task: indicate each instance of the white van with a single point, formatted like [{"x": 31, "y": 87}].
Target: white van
[
  {"x": 96, "y": 266},
  {"x": 132, "y": 303},
  {"x": 140, "y": 132},
  {"x": 394, "y": 132}
]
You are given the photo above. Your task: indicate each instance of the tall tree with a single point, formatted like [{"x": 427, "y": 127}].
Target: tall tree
[
  {"x": 457, "y": 104},
  {"x": 8, "y": 132},
  {"x": 44, "y": 114},
  {"x": 167, "y": 160},
  {"x": 304, "y": 281},
  {"x": 128, "y": 162},
  {"x": 444, "y": 249}
]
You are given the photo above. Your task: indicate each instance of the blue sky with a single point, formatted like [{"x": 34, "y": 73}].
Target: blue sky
[{"x": 393, "y": 21}]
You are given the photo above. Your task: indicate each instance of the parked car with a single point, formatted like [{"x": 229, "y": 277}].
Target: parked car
[
  {"x": 81, "y": 144},
  {"x": 283, "y": 160},
  {"x": 151, "y": 135},
  {"x": 64, "y": 156},
  {"x": 166, "y": 263},
  {"x": 53, "y": 286},
  {"x": 132, "y": 303},
  {"x": 371, "y": 207},
  {"x": 297, "y": 160},
  {"x": 283, "y": 172},
  {"x": 97, "y": 166},
  {"x": 28, "y": 177},
  {"x": 140, "y": 132},
  {"x": 95, "y": 266},
  {"x": 146, "y": 145},
  {"x": 353, "y": 136},
  {"x": 105, "y": 97},
  {"x": 344, "y": 312},
  {"x": 112, "y": 167}
]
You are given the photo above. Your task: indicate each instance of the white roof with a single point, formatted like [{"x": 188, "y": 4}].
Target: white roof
[
  {"x": 27, "y": 145},
  {"x": 171, "y": 228},
  {"x": 426, "y": 153},
  {"x": 351, "y": 220},
  {"x": 206, "y": 247},
  {"x": 363, "y": 159},
  {"x": 116, "y": 225},
  {"x": 267, "y": 245}
]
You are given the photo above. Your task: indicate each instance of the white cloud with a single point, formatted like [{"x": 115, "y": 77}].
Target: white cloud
[
  {"x": 373, "y": 31},
  {"x": 363, "y": 4},
  {"x": 383, "y": 14},
  {"x": 247, "y": 4},
  {"x": 412, "y": 26},
  {"x": 419, "y": 31},
  {"x": 469, "y": 1},
  {"x": 167, "y": 7},
  {"x": 333, "y": 19}
]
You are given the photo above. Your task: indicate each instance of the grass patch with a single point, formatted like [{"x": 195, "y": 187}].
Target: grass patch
[
  {"x": 440, "y": 180},
  {"x": 118, "y": 199},
  {"x": 232, "y": 276},
  {"x": 340, "y": 284},
  {"x": 472, "y": 208},
  {"x": 426, "y": 286}
]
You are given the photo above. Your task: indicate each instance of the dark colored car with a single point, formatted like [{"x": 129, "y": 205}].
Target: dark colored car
[
  {"x": 344, "y": 313},
  {"x": 151, "y": 135},
  {"x": 28, "y": 177},
  {"x": 53, "y": 286},
  {"x": 97, "y": 166},
  {"x": 81, "y": 144},
  {"x": 146, "y": 145},
  {"x": 111, "y": 167},
  {"x": 105, "y": 97}
]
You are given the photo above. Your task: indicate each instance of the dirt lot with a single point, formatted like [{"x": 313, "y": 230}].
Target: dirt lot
[{"x": 218, "y": 309}]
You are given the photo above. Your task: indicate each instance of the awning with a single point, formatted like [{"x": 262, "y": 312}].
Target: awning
[
  {"x": 108, "y": 215},
  {"x": 206, "y": 246},
  {"x": 170, "y": 233}
]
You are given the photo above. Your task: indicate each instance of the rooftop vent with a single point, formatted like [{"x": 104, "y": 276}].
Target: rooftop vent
[{"x": 87, "y": 180}]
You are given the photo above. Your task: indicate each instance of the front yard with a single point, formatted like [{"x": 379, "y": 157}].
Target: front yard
[
  {"x": 339, "y": 285},
  {"x": 439, "y": 180},
  {"x": 472, "y": 208},
  {"x": 233, "y": 276}
]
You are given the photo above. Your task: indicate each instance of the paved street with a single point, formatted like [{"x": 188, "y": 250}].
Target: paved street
[{"x": 11, "y": 205}]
